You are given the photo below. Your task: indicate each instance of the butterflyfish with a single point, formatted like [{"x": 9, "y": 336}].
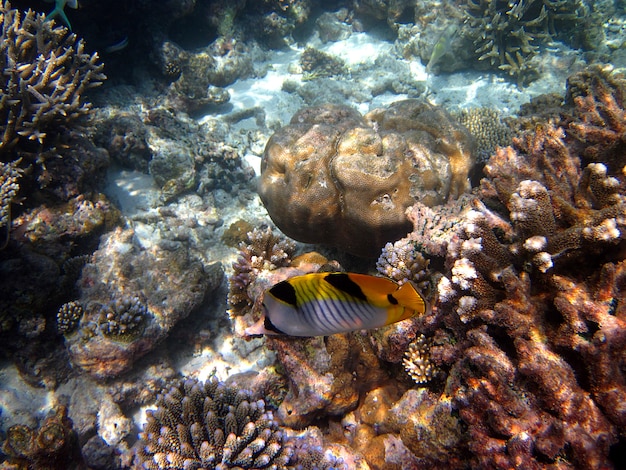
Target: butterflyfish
[{"x": 322, "y": 304}]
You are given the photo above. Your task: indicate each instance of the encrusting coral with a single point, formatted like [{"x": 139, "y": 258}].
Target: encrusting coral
[
  {"x": 211, "y": 425},
  {"x": 333, "y": 176}
]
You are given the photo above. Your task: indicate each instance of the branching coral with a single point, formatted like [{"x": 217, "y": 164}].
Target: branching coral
[
  {"x": 508, "y": 34},
  {"x": 9, "y": 175},
  {"x": 69, "y": 316},
  {"x": 123, "y": 317},
  {"x": 45, "y": 72},
  {"x": 263, "y": 251},
  {"x": 213, "y": 426},
  {"x": 529, "y": 323},
  {"x": 417, "y": 361}
]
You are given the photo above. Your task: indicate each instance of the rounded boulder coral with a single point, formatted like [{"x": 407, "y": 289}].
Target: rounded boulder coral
[{"x": 335, "y": 177}]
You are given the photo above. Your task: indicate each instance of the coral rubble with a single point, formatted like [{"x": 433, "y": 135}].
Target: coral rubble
[{"x": 332, "y": 176}]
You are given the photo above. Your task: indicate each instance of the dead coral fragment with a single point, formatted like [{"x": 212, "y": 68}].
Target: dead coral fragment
[
  {"x": 45, "y": 72},
  {"x": 212, "y": 426}
]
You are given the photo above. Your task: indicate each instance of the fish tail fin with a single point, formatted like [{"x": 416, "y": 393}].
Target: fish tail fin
[
  {"x": 58, "y": 12},
  {"x": 409, "y": 297}
]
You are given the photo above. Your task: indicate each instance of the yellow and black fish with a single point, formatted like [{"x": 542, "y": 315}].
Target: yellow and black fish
[{"x": 323, "y": 304}]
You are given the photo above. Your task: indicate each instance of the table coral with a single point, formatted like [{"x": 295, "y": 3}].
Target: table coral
[{"x": 333, "y": 176}]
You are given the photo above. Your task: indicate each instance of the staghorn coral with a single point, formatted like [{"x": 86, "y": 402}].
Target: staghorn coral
[
  {"x": 45, "y": 73},
  {"x": 51, "y": 445},
  {"x": 332, "y": 176},
  {"x": 509, "y": 34},
  {"x": 210, "y": 425}
]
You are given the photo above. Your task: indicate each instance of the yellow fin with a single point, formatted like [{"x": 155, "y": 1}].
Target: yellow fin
[{"x": 408, "y": 296}]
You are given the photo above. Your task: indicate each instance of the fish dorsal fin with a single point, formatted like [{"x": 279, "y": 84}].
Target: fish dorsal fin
[{"x": 408, "y": 296}]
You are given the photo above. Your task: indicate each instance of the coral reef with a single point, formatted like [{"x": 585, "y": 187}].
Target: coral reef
[
  {"x": 117, "y": 327},
  {"x": 332, "y": 176},
  {"x": 52, "y": 445},
  {"x": 45, "y": 72},
  {"x": 211, "y": 425},
  {"x": 527, "y": 326}
]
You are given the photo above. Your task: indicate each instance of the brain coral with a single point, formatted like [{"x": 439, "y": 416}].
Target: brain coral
[{"x": 333, "y": 176}]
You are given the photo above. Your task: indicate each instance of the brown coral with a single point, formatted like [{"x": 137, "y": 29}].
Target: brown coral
[
  {"x": 51, "y": 445},
  {"x": 45, "y": 72},
  {"x": 529, "y": 323},
  {"x": 334, "y": 177}
]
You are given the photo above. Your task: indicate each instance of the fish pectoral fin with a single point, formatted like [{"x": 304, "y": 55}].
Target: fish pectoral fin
[{"x": 409, "y": 297}]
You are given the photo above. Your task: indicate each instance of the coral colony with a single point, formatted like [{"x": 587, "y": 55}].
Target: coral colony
[{"x": 190, "y": 267}]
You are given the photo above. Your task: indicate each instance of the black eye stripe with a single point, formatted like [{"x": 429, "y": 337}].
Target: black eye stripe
[{"x": 285, "y": 292}]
